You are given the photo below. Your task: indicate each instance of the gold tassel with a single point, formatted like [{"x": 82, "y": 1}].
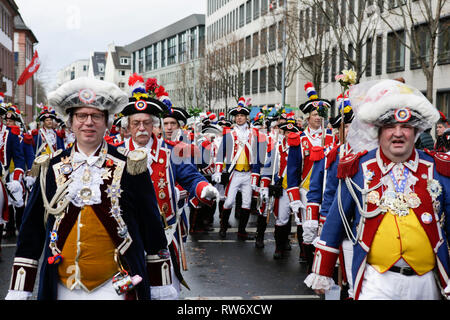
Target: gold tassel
[{"x": 136, "y": 162}]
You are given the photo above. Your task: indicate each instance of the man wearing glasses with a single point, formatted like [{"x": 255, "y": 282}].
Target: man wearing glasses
[{"x": 102, "y": 236}]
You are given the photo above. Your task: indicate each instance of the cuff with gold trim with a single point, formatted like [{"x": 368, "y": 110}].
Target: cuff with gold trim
[
  {"x": 24, "y": 272},
  {"x": 198, "y": 192}
]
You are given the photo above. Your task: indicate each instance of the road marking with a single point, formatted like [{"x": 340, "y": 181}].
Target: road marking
[
  {"x": 8, "y": 245},
  {"x": 285, "y": 297},
  {"x": 213, "y": 298},
  {"x": 273, "y": 297}
]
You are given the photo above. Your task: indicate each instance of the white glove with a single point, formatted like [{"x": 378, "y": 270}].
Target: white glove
[
  {"x": 14, "y": 186},
  {"x": 255, "y": 187},
  {"x": 18, "y": 295},
  {"x": 264, "y": 192},
  {"x": 310, "y": 230},
  {"x": 216, "y": 177},
  {"x": 29, "y": 181},
  {"x": 209, "y": 193},
  {"x": 296, "y": 205},
  {"x": 16, "y": 190}
]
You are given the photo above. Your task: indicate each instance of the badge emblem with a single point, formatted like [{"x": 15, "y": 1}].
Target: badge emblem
[
  {"x": 162, "y": 194},
  {"x": 373, "y": 197},
  {"x": 87, "y": 96},
  {"x": 85, "y": 194},
  {"x": 426, "y": 217}
]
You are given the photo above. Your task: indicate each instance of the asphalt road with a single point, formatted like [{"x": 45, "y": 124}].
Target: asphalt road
[{"x": 224, "y": 269}]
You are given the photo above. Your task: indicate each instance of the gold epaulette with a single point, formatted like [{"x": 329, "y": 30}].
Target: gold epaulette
[
  {"x": 136, "y": 162},
  {"x": 43, "y": 161}
]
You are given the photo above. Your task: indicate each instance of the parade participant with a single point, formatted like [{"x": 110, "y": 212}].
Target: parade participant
[
  {"x": 46, "y": 139},
  {"x": 207, "y": 146},
  {"x": 323, "y": 187},
  {"x": 17, "y": 200},
  {"x": 116, "y": 135},
  {"x": 102, "y": 235},
  {"x": 391, "y": 201},
  {"x": 305, "y": 149},
  {"x": 166, "y": 170},
  {"x": 441, "y": 127},
  {"x": 239, "y": 155},
  {"x": 274, "y": 185},
  {"x": 11, "y": 159}
]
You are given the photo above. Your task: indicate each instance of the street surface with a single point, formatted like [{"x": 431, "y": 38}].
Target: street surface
[{"x": 224, "y": 269}]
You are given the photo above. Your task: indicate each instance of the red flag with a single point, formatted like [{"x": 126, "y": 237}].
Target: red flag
[{"x": 30, "y": 69}]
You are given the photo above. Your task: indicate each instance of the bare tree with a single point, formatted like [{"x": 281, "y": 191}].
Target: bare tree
[
  {"x": 416, "y": 25},
  {"x": 228, "y": 65}
]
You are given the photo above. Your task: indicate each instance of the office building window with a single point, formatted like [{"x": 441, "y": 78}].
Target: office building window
[
  {"x": 248, "y": 11},
  {"x": 422, "y": 35},
  {"x": 369, "y": 44},
  {"x": 163, "y": 53},
  {"x": 148, "y": 58},
  {"x": 155, "y": 55},
  {"x": 263, "y": 41},
  {"x": 262, "y": 80},
  {"x": 272, "y": 37},
  {"x": 444, "y": 41},
  {"x": 395, "y": 60},
  {"x": 255, "y": 81},
  {"x": 241, "y": 16},
  {"x": 255, "y": 48},
  {"x": 333, "y": 64},
  {"x": 379, "y": 56},
  {"x": 256, "y": 9},
  {"x": 248, "y": 47},
  {"x": 272, "y": 78},
  {"x": 264, "y": 7},
  {"x": 247, "y": 83}
]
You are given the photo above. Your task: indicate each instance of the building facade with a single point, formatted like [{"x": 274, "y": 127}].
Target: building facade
[
  {"x": 76, "y": 69},
  {"x": 97, "y": 65},
  {"x": 24, "y": 42},
  {"x": 259, "y": 35},
  {"x": 245, "y": 53},
  {"x": 118, "y": 66},
  {"x": 8, "y": 10},
  {"x": 174, "y": 56}
]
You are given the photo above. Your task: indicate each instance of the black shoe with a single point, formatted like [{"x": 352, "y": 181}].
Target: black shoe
[
  {"x": 9, "y": 234},
  {"x": 223, "y": 233},
  {"x": 259, "y": 243},
  {"x": 288, "y": 246},
  {"x": 278, "y": 254},
  {"x": 245, "y": 236}
]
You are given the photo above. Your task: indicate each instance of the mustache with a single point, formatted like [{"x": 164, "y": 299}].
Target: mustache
[{"x": 142, "y": 133}]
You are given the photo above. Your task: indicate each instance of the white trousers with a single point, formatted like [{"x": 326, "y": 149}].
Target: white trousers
[
  {"x": 347, "y": 250},
  {"x": 303, "y": 199},
  {"x": 395, "y": 286},
  {"x": 283, "y": 210},
  {"x": 104, "y": 292},
  {"x": 240, "y": 181}
]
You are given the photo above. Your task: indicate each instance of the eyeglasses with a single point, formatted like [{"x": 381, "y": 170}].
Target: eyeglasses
[
  {"x": 95, "y": 117},
  {"x": 137, "y": 124}
]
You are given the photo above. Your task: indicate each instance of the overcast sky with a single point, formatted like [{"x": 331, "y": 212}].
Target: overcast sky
[{"x": 69, "y": 30}]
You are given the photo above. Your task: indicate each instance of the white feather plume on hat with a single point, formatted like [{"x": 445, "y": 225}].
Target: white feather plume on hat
[{"x": 375, "y": 101}]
